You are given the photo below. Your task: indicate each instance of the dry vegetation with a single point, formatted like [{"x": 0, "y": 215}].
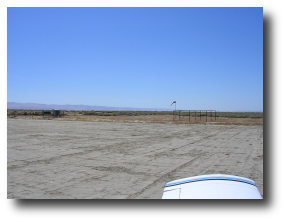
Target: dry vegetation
[{"x": 222, "y": 118}]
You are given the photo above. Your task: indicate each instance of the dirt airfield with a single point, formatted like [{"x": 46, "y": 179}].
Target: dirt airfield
[{"x": 69, "y": 157}]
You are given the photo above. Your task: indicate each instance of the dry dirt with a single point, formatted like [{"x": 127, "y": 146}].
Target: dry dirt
[
  {"x": 152, "y": 119},
  {"x": 124, "y": 158}
]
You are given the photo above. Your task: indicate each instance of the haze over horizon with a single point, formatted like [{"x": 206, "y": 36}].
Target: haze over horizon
[
  {"x": 203, "y": 58},
  {"x": 38, "y": 106}
]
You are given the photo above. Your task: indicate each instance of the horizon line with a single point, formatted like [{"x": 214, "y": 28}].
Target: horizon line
[{"x": 151, "y": 109}]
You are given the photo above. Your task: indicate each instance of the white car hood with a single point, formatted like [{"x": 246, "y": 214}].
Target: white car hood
[{"x": 213, "y": 186}]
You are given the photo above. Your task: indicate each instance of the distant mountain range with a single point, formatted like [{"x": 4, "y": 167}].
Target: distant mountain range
[{"x": 37, "y": 106}]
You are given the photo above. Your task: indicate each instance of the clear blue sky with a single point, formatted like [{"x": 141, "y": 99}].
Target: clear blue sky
[{"x": 204, "y": 58}]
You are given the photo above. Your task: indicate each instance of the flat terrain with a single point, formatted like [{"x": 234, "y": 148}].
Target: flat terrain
[
  {"x": 126, "y": 160},
  {"x": 149, "y": 119}
]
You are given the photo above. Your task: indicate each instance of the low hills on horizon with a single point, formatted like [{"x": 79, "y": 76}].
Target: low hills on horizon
[{"x": 37, "y": 106}]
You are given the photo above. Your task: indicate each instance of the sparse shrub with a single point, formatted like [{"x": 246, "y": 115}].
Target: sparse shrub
[{"x": 114, "y": 114}]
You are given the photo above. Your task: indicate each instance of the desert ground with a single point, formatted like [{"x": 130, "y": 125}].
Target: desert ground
[
  {"x": 75, "y": 116},
  {"x": 125, "y": 157}
]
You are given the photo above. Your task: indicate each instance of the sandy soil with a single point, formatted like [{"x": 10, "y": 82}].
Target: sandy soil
[{"x": 92, "y": 159}]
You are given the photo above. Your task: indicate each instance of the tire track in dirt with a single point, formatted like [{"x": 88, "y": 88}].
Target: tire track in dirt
[
  {"x": 48, "y": 160},
  {"x": 156, "y": 153},
  {"x": 170, "y": 175},
  {"x": 118, "y": 169},
  {"x": 166, "y": 177}
]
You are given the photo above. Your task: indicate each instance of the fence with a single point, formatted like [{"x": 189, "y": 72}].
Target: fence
[{"x": 195, "y": 114}]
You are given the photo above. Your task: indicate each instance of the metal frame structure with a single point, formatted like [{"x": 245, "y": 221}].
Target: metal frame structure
[{"x": 178, "y": 112}]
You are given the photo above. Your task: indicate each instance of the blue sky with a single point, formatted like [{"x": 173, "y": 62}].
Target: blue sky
[{"x": 204, "y": 58}]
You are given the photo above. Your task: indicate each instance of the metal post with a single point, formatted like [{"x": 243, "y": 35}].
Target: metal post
[
  {"x": 195, "y": 115},
  {"x": 179, "y": 114},
  {"x": 215, "y": 115},
  {"x": 189, "y": 116},
  {"x": 206, "y": 116},
  {"x": 200, "y": 115}
]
